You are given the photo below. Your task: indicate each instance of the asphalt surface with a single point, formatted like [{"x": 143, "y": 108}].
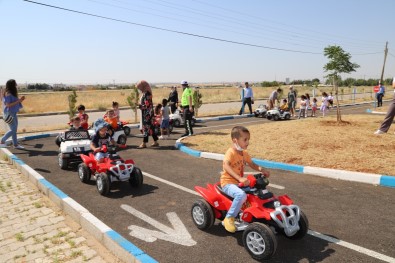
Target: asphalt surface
[{"x": 357, "y": 213}]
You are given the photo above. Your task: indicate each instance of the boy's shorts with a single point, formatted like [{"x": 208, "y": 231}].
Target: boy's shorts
[{"x": 164, "y": 124}]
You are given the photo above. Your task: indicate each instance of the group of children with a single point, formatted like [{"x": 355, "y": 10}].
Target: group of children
[{"x": 305, "y": 104}]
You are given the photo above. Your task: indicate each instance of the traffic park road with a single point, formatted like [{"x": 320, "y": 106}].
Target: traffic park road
[{"x": 360, "y": 216}]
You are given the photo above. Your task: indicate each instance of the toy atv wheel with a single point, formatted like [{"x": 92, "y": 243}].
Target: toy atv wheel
[
  {"x": 122, "y": 139},
  {"x": 126, "y": 130},
  {"x": 177, "y": 123},
  {"x": 103, "y": 183},
  {"x": 202, "y": 214},
  {"x": 269, "y": 117},
  {"x": 287, "y": 116},
  {"x": 136, "y": 179},
  {"x": 84, "y": 173},
  {"x": 304, "y": 227},
  {"x": 260, "y": 241},
  {"x": 275, "y": 117},
  {"x": 63, "y": 163}
]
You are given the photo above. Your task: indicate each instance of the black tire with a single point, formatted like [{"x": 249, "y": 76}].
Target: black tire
[
  {"x": 256, "y": 114},
  {"x": 269, "y": 117},
  {"x": 275, "y": 117},
  {"x": 58, "y": 140},
  {"x": 287, "y": 116},
  {"x": 84, "y": 173},
  {"x": 63, "y": 163},
  {"x": 177, "y": 123},
  {"x": 103, "y": 184},
  {"x": 171, "y": 128},
  {"x": 126, "y": 130},
  {"x": 260, "y": 241},
  {"x": 304, "y": 227},
  {"x": 136, "y": 179},
  {"x": 122, "y": 139},
  {"x": 202, "y": 214}
]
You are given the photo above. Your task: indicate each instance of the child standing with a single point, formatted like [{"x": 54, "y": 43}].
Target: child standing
[
  {"x": 302, "y": 108},
  {"x": 83, "y": 117},
  {"x": 115, "y": 107},
  {"x": 324, "y": 103},
  {"x": 307, "y": 104},
  {"x": 164, "y": 125},
  {"x": 313, "y": 107},
  {"x": 236, "y": 157}
]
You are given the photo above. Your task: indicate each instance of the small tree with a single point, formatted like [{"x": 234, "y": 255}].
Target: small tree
[
  {"x": 197, "y": 100},
  {"x": 339, "y": 62},
  {"x": 133, "y": 101},
  {"x": 72, "y": 100}
]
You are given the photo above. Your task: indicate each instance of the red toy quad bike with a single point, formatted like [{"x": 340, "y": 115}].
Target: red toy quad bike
[
  {"x": 261, "y": 216},
  {"x": 113, "y": 168}
]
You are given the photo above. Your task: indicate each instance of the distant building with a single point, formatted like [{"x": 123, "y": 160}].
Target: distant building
[{"x": 287, "y": 81}]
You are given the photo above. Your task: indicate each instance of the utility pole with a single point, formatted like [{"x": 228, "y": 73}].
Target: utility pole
[{"x": 385, "y": 58}]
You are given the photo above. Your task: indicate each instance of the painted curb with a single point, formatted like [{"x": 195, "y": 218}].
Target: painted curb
[
  {"x": 113, "y": 241},
  {"x": 368, "y": 178}
]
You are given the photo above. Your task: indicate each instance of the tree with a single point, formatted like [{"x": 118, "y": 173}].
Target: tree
[
  {"x": 339, "y": 62},
  {"x": 72, "y": 100},
  {"x": 197, "y": 100},
  {"x": 133, "y": 101}
]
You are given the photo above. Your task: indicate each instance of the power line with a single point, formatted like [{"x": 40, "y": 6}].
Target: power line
[{"x": 173, "y": 31}]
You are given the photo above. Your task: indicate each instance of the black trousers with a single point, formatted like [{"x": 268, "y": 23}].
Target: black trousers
[
  {"x": 248, "y": 102},
  {"x": 188, "y": 121},
  {"x": 379, "y": 99}
]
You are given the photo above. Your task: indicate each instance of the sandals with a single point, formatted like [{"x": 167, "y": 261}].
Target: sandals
[
  {"x": 142, "y": 146},
  {"x": 155, "y": 144}
]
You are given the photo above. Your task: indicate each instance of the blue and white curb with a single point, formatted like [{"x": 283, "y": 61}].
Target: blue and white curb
[
  {"x": 369, "y": 178},
  {"x": 113, "y": 241}
]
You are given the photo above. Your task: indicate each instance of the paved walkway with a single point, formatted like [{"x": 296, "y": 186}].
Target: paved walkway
[{"x": 33, "y": 229}]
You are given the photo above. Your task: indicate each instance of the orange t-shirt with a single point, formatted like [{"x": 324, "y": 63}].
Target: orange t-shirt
[
  {"x": 112, "y": 121},
  {"x": 237, "y": 162}
]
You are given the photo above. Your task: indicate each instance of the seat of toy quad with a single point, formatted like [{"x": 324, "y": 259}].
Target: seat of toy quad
[{"x": 222, "y": 192}]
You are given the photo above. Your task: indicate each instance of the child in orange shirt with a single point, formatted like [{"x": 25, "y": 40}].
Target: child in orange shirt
[
  {"x": 111, "y": 119},
  {"x": 235, "y": 159}
]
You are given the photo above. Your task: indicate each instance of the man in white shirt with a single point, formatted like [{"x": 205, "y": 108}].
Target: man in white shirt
[{"x": 248, "y": 98}]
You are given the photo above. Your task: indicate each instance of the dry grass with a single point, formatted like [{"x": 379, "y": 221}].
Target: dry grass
[{"x": 318, "y": 142}]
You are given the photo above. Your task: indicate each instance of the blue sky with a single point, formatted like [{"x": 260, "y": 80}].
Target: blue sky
[{"x": 47, "y": 45}]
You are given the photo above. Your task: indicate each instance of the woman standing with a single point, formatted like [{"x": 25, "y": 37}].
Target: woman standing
[
  {"x": 147, "y": 113},
  {"x": 11, "y": 105}
]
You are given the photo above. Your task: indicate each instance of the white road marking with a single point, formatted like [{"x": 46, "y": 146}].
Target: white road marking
[
  {"x": 178, "y": 234},
  {"x": 359, "y": 249},
  {"x": 348, "y": 245}
]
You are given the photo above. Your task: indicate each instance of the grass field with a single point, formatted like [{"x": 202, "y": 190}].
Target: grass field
[{"x": 318, "y": 142}]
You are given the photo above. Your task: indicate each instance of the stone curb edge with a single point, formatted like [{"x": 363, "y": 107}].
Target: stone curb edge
[
  {"x": 369, "y": 178},
  {"x": 113, "y": 241}
]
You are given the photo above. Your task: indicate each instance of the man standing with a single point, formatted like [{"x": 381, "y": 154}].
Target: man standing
[
  {"x": 386, "y": 124},
  {"x": 173, "y": 99},
  {"x": 274, "y": 97},
  {"x": 292, "y": 98},
  {"x": 187, "y": 105},
  {"x": 380, "y": 95},
  {"x": 248, "y": 98}
]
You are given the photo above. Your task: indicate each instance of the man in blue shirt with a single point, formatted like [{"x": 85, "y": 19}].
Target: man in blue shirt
[
  {"x": 248, "y": 98},
  {"x": 380, "y": 95}
]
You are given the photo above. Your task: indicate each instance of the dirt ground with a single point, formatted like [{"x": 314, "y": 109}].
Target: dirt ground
[{"x": 318, "y": 142}]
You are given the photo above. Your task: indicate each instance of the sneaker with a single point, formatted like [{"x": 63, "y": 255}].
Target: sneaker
[
  {"x": 229, "y": 224},
  {"x": 154, "y": 144},
  {"x": 185, "y": 135},
  {"x": 20, "y": 147},
  {"x": 378, "y": 132},
  {"x": 161, "y": 137},
  {"x": 3, "y": 145}
]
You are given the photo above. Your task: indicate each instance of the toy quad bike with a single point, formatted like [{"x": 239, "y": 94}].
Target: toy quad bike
[
  {"x": 112, "y": 169},
  {"x": 261, "y": 216}
]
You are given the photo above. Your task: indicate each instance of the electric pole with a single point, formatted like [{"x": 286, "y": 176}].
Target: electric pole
[{"x": 385, "y": 58}]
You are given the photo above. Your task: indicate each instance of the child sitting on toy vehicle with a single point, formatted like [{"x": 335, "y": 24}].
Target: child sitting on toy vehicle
[
  {"x": 235, "y": 159},
  {"x": 111, "y": 119},
  {"x": 100, "y": 138},
  {"x": 284, "y": 106},
  {"x": 75, "y": 124}
]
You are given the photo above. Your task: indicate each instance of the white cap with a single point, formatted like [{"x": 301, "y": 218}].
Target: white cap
[{"x": 184, "y": 82}]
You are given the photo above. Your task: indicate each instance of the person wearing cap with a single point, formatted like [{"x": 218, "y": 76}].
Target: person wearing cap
[
  {"x": 386, "y": 124},
  {"x": 248, "y": 98},
  {"x": 100, "y": 138},
  {"x": 187, "y": 106}
]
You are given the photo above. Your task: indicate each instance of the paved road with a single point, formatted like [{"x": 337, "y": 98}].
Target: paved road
[{"x": 353, "y": 212}]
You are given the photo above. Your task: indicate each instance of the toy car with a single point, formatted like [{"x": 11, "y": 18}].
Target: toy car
[
  {"x": 71, "y": 145},
  {"x": 113, "y": 168},
  {"x": 123, "y": 125},
  {"x": 261, "y": 111},
  {"x": 277, "y": 114},
  {"x": 178, "y": 120},
  {"x": 260, "y": 217}
]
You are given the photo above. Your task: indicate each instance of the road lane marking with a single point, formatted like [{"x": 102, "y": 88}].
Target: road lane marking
[
  {"x": 359, "y": 249},
  {"x": 348, "y": 245},
  {"x": 178, "y": 234}
]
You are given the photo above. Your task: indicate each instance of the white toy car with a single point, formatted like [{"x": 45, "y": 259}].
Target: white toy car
[
  {"x": 119, "y": 136},
  {"x": 72, "y": 145},
  {"x": 261, "y": 111},
  {"x": 277, "y": 114},
  {"x": 178, "y": 120}
]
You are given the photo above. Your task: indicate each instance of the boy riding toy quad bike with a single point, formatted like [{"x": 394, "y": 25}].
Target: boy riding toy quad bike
[
  {"x": 261, "y": 216},
  {"x": 112, "y": 168}
]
